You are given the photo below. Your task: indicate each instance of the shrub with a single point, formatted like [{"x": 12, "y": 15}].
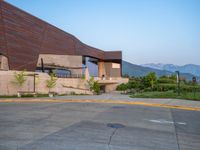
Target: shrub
[
  {"x": 122, "y": 87},
  {"x": 189, "y": 88},
  {"x": 166, "y": 80},
  {"x": 20, "y": 78},
  {"x": 94, "y": 85},
  {"x": 165, "y": 87}
]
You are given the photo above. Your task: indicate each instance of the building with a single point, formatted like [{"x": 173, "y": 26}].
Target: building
[{"x": 31, "y": 44}]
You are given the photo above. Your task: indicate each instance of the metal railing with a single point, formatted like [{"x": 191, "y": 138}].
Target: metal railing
[{"x": 69, "y": 75}]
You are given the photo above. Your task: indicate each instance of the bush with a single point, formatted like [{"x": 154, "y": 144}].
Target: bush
[
  {"x": 96, "y": 88},
  {"x": 94, "y": 85},
  {"x": 189, "y": 88},
  {"x": 165, "y": 87},
  {"x": 20, "y": 78},
  {"x": 166, "y": 80},
  {"x": 150, "y": 83},
  {"x": 122, "y": 87}
]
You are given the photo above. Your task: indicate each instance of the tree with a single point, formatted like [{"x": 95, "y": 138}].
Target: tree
[
  {"x": 151, "y": 79},
  {"x": 20, "y": 78},
  {"x": 51, "y": 83},
  {"x": 94, "y": 85}
]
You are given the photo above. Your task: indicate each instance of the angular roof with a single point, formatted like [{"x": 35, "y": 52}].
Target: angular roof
[{"x": 23, "y": 37}]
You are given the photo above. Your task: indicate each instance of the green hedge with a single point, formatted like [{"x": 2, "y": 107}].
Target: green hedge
[
  {"x": 165, "y": 87},
  {"x": 189, "y": 88},
  {"x": 163, "y": 84},
  {"x": 122, "y": 87},
  {"x": 166, "y": 80}
]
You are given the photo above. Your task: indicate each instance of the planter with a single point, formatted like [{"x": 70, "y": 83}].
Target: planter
[
  {"x": 50, "y": 94},
  {"x": 18, "y": 94}
]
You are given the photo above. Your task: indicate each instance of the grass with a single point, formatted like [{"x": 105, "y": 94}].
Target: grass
[
  {"x": 38, "y": 95},
  {"x": 24, "y": 96},
  {"x": 168, "y": 94}
]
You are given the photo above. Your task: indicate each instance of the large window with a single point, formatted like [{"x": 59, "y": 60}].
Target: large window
[{"x": 92, "y": 65}]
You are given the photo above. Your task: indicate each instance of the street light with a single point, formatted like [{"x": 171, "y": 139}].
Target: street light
[{"x": 178, "y": 82}]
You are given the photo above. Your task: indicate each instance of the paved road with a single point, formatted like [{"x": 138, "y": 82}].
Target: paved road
[{"x": 89, "y": 126}]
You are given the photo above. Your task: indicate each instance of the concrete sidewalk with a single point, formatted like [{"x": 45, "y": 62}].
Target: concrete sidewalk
[{"x": 121, "y": 97}]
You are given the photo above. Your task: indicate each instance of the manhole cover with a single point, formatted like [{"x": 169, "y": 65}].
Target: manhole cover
[{"x": 115, "y": 125}]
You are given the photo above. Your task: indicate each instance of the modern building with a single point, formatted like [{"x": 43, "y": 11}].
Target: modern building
[{"x": 31, "y": 44}]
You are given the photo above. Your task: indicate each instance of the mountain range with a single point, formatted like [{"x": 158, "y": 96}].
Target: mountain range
[
  {"x": 160, "y": 69},
  {"x": 189, "y": 68}
]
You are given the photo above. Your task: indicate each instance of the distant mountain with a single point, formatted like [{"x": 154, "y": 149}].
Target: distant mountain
[
  {"x": 189, "y": 68},
  {"x": 137, "y": 70}
]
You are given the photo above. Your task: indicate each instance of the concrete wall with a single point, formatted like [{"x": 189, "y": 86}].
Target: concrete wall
[
  {"x": 62, "y": 60},
  {"x": 63, "y": 86},
  {"x": 3, "y": 63},
  {"x": 111, "y": 84},
  {"x": 112, "y": 87}
]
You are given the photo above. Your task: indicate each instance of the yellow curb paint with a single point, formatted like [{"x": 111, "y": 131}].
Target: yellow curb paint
[{"x": 101, "y": 101}]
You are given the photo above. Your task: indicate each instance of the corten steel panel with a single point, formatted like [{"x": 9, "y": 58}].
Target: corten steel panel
[
  {"x": 112, "y": 72},
  {"x": 3, "y": 49},
  {"x": 24, "y": 37},
  {"x": 83, "y": 49},
  {"x": 113, "y": 55},
  {"x": 57, "y": 42}
]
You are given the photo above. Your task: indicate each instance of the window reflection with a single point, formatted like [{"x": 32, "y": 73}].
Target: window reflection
[{"x": 92, "y": 65}]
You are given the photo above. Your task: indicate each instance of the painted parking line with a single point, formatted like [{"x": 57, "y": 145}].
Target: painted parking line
[{"x": 101, "y": 101}]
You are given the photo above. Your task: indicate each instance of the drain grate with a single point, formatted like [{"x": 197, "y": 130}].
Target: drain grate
[{"x": 115, "y": 125}]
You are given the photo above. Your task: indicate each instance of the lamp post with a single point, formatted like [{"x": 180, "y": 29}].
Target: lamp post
[
  {"x": 178, "y": 82},
  {"x": 194, "y": 82}
]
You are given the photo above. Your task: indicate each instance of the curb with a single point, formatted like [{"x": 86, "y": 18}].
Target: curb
[{"x": 102, "y": 101}]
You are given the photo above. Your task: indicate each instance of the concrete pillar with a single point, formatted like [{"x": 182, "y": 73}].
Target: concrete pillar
[
  {"x": 87, "y": 74},
  {"x": 101, "y": 69},
  {"x": 4, "y": 63}
]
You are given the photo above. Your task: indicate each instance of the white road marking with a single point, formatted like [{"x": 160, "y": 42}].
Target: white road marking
[{"x": 162, "y": 121}]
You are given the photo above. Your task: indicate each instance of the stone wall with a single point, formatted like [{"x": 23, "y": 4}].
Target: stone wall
[
  {"x": 71, "y": 61},
  {"x": 63, "y": 86}
]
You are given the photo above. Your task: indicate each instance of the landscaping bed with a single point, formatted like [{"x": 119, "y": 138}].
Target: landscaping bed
[{"x": 167, "y": 94}]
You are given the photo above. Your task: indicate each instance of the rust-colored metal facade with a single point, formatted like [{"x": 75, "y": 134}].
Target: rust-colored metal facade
[{"x": 23, "y": 37}]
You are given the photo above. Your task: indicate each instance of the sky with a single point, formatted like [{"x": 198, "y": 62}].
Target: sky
[{"x": 146, "y": 31}]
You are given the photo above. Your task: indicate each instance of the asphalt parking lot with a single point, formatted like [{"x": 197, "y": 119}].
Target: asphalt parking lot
[{"x": 96, "y": 126}]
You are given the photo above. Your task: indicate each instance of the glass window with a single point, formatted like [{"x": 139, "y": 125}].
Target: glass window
[{"x": 92, "y": 65}]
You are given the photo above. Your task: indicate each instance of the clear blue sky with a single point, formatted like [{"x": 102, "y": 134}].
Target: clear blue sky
[{"x": 158, "y": 31}]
